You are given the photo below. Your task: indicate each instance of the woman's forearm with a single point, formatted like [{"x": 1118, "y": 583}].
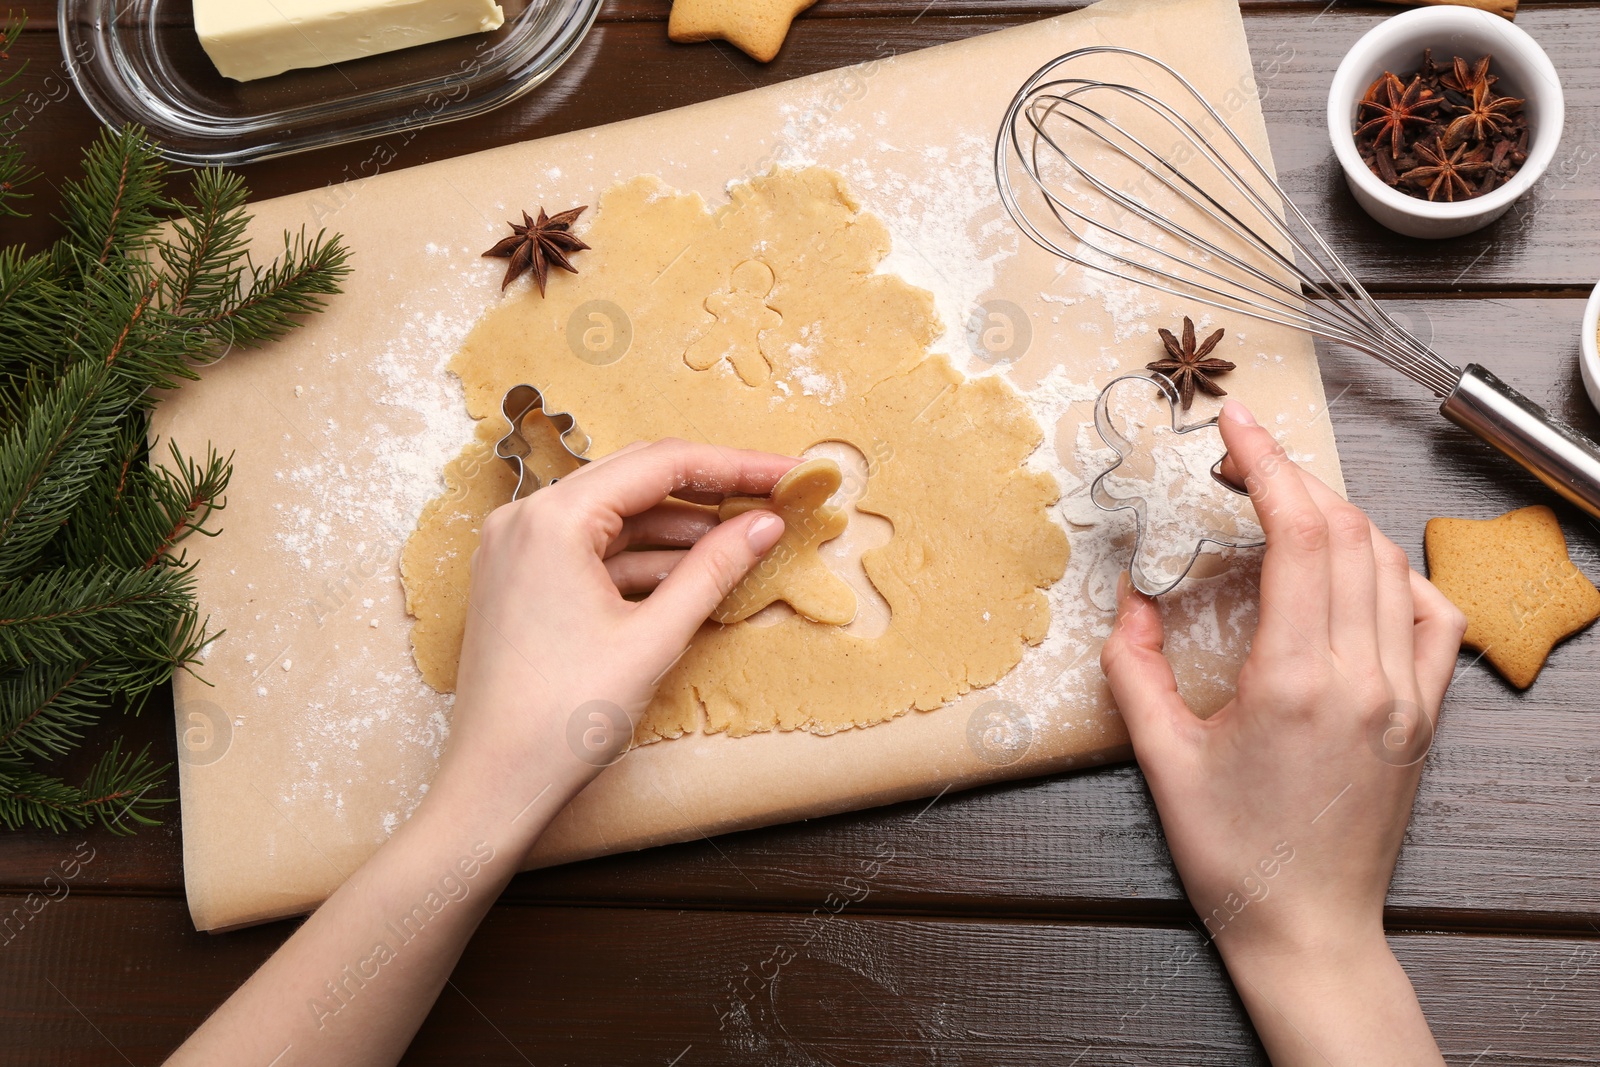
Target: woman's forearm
[
  {"x": 1344, "y": 1002},
  {"x": 356, "y": 980}
]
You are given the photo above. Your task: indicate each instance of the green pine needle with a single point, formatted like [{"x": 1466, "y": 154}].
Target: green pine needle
[
  {"x": 46, "y": 707},
  {"x": 119, "y": 794},
  {"x": 14, "y": 171},
  {"x": 69, "y": 614},
  {"x": 97, "y": 605},
  {"x": 110, "y": 214},
  {"x": 271, "y": 298},
  {"x": 36, "y": 322},
  {"x": 47, "y": 461},
  {"x": 136, "y": 515}
]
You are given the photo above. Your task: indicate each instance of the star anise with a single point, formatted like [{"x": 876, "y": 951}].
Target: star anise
[
  {"x": 1189, "y": 366},
  {"x": 538, "y": 244},
  {"x": 1464, "y": 79},
  {"x": 1446, "y": 170},
  {"x": 1486, "y": 115},
  {"x": 1397, "y": 107}
]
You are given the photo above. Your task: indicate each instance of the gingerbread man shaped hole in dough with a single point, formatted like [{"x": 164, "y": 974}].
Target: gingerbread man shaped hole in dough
[
  {"x": 742, "y": 316},
  {"x": 793, "y": 571}
]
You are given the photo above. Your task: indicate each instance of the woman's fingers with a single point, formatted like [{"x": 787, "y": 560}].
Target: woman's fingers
[
  {"x": 1436, "y": 634},
  {"x": 707, "y": 574},
  {"x": 640, "y": 572},
  {"x": 1353, "y": 576},
  {"x": 1418, "y": 630},
  {"x": 610, "y": 457},
  {"x": 669, "y": 524},
  {"x": 597, "y": 462},
  {"x": 1296, "y": 572},
  {"x": 644, "y": 477},
  {"x": 1359, "y": 600},
  {"x": 1396, "y": 610},
  {"x": 1141, "y": 679}
]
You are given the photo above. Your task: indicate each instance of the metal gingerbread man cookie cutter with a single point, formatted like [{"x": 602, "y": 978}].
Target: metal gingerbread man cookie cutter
[
  {"x": 520, "y": 402},
  {"x": 1137, "y": 505}
]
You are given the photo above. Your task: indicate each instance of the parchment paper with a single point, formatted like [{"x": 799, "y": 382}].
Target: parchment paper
[{"x": 317, "y": 737}]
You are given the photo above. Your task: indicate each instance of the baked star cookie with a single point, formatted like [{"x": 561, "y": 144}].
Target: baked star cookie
[
  {"x": 1513, "y": 580},
  {"x": 755, "y": 27},
  {"x": 793, "y": 571}
]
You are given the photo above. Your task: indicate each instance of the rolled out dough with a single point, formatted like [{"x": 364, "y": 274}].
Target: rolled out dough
[{"x": 828, "y": 351}]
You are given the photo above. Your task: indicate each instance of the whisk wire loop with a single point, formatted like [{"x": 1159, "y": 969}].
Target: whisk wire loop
[{"x": 1266, "y": 261}]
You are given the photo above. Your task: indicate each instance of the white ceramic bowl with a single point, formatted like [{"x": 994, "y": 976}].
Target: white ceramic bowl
[
  {"x": 1589, "y": 348},
  {"x": 1396, "y": 44}
]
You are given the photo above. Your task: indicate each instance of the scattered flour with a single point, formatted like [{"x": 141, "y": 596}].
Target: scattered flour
[
  {"x": 950, "y": 235},
  {"x": 356, "y": 505},
  {"x": 948, "y": 230}
]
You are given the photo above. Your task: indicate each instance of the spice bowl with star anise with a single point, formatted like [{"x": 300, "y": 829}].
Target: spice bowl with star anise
[{"x": 1460, "y": 141}]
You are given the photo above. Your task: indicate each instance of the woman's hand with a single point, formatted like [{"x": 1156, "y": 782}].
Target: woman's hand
[
  {"x": 548, "y": 633},
  {"x": 1285, "y": 810},
  {"x": 557, "y": 665}
]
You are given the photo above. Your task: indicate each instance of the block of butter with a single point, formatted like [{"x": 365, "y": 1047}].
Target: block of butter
[{"x": 249, "y": 39}]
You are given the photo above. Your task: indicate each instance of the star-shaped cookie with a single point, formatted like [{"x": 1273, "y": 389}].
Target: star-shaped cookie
[
  {"x": 793, "y": 571},
  {"x": 755, "y": 27},
  {"x": 1513, "y": 580}
]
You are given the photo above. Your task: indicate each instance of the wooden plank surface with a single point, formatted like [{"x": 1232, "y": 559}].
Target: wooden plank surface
[
  {"x": 997, "y": 938},
  {"x": 1089, "y": 843},
  {"x": 92, "y": 978},
  {"x": 1551, "y": 240},
  {"x": 42, "y": 13}
]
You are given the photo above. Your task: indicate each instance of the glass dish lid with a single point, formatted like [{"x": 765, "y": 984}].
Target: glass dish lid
[{"x": 141, "y": 61}]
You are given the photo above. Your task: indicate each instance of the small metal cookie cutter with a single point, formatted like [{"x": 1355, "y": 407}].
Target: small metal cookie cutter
[
  {"x": 1122, "y": 446},
  {"x": 521, "y": 401}
]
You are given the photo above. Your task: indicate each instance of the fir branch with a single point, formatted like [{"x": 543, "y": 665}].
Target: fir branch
[
  {"x": 72, "y": 614},
  {"x": 93, "y": 524},
  {"x": 116, "y": 795},
  {"x": 45, "y": 707},
  {"x": 14, "y": 171},
  {"x": 97, "y": 604},
  {"x": 176, "y": 503},
  {"x": 122, "y": 327},
  {"x": 206, "y": 256},
  {"x": 110, "y": 213},
  {"x": 36, "y": 319},
  {"x": 291, "y": 286},
  {"x": 48, "y": 461},
  {"x": 137, "y": 514}
]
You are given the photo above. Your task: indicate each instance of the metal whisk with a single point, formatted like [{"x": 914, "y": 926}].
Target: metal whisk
[{"x": 1167, "y": 195}]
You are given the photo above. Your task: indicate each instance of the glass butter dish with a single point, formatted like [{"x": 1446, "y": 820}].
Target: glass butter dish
[{"x": 141, "y": 61}]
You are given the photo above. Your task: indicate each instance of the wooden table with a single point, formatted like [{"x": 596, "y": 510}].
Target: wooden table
[{"x": 1028, "y": 924}]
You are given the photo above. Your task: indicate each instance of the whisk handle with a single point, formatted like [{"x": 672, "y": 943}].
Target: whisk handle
[{"x": 1559, "y": 456}]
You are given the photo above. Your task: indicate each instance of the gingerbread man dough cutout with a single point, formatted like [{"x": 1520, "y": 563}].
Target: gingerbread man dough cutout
[
  {"x": 742, "y": 314},
  {"x": 793, "y": 571}
]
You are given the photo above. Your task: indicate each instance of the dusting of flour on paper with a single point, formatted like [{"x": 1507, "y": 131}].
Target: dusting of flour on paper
[{"x": 407, "y": 430}]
